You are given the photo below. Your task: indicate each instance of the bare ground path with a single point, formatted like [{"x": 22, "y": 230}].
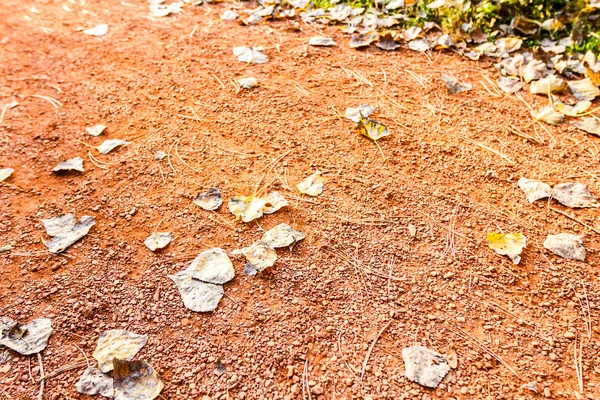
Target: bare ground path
[{"x": 451, "y": 172}]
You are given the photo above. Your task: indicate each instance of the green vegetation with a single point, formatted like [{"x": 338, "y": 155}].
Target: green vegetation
[{"x": 531, "y": 19}]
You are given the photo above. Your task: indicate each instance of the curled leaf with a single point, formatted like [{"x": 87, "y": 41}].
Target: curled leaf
[
  {"x": 93, "y": 381},
  {"x": 95, "y": 130},
  {"x": 549, "y": 84},
  {"x": 73, "y": 164},
  {"x": 313, "y": 185},
  {"x": 108, "y": 145},
  {"x": 420, "y": 45},
  {"x": 387, "y": 43},
  {"x": 510, "y": 245},
  {"x": 229, "y": 15},
  {"x": 248, "y": 83},
  {"x": 362, "y": 39},
  {"x": 65, "y": 230},
  {"x": 535, "y": 69},
  {"x": 99, "y": 30},
  {"x": 548, "y": 115}
]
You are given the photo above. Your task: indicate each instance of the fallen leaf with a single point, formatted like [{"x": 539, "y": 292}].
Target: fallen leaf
[
  {"x": 158, "y": 240},
  {"x": 93, "y": 381},
  {"x": 394, "y": 4},
  {"x": 209, "y": 200},
  {"x": 575, "y": 195},
  {"x": 454, "y": 86},
  {"x": 211, "y": 266},
  {"x": 424, "y": 366},
  {"x": 260, "y": 255},
  {"x": 136, "y": 380},
  {"x": 282, "y": 235},
  {"x": 525, "y": 25},
  {"x": 229, "y": 15},
  {"x": 248, "y": 83},
  {"x": 340, "y": 12},
  {"x": 250, "y": 269},
  {"x": 117, "y": 343},
  {"x": 362, "y": 39},
  {"x": 548, "y": 115},
  {"x": 444, "y": 42},
  {"x": 159, "y": 155},
  {"x": 410, "y": 33},
  {"x": 273, "y": 202},
  {"x": 387, "y": 43},
  {"x": 197, "y": 295},
  {"x": 588, "y": 124},
  {"x": 534, "y": 70},
  {"x": 312, "y": 185},
  {"x": 420, "y": 45},
  {"x": 584, "y": 89},
  {"x": 249, "y": 55},
  {"x": 566, "y": 245},
  {"x": 510, "y": 245},
  {"x": 247, "y": 208},
  {"x": 65, "y": 230},
  {"x": 5, "y": 173},
  {"x": 73, "y": 164},
  {"x": 372, "y": 129},
  {"x": 95, "y": 130},
  {"x": 99, "y": 30},
  {"x": 108, "y": 145},
  {"x": 508, "y": 44},
  {"x": 157, "y": 9},
  {"x": 509, "y": 84},
  {"x": 549, "y": 84},
  {"x": 354, "y": 114},
  {"x": 573, "y": 110},
  {"x": 25, "y": 339},
  {"x": 534, "y": 190},
  {"x": 321, "y": 41}
]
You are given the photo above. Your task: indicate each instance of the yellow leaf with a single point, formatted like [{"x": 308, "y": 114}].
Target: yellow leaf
[
  {"x": 510, "y": 245},
  {"x": 372, "y": 129},
  {"x": 247, "y": 208},
  {"x": 313, "y": 185}
]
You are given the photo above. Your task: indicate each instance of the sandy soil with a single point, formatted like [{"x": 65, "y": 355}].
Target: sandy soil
[{"x": 451, "y": 172}]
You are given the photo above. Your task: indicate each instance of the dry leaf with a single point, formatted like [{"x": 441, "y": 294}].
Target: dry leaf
[
  {"x": 566, "y": 245},
  {"x": 372, "y": 129},
  {"x": 535, "y": 69},
  {"x": 364, "y": 110},
  {"x": 211, "y": 266},
  {"x": 573, "y": 110},
  {"x": 549, "y": 84},
  {"x": 260, "y": 255},
  {"x": 509, "y": 84},
  {"x": 584, "y": 89},
  {"x": 158, "y": 240},
  {"x": 197, "y": 295},
  {"x": 248, "y": 83},
  {"x": 247, "y": 208},
  {"x": 108, "y": 145},
  {"x": 313, "y": 185},
  {"x": 363, "y": 39},
  {"x": 95, "y": 130},
  {"x": 410, "y": 33},
  {"x": 508, "y": 44},
  {"x": 511, "y": 244},
  {"x": 273, "y": 202},
  {"x": 452, "y": 357},
  {"x": 590, "y": 125},
  {"x": 282, "y": 235},
  {"x": 454, "y": 86},
  {"x": 424, "y": 366},
  {"x": 387, "y": 43},
  {"x": 93, "y": 382},
  {"x": 420, "y": 45},
  {"x": 575, "y": 195},
  {"x": 534, "y": 190},
  {"x": 25, "y": 339},
  {"x": 117, "y": 343},
  {"x": 250, "y": 55},
  {"x": 65, "y": 230},
  {"x": 99, "y": 30},
  {"x": 321, "y": 41},
  {"x": 136, "y": 380},
  {"x": 73, "y": 164},
  {"x": 548, "y": 115},
  {"x": 229, "y": 15},
  {"x": 209, "y": 200}
]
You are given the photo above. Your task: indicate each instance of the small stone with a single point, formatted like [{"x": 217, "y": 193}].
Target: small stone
[
  {"x": 547, "y": 392},
  {"x": 569, "y": 335},
  {"x": 316, "y": 390}
]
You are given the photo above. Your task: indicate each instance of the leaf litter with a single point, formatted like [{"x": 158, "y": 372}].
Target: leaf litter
[
  {"x": 65, "y": 230},
  {"x": 93, "y": 382},
  {"x": 312, "y": 185},
  {"x": 454, "y": 86},
  {"x": 73, "y": 164},
  {"x": 136, "y": 380},
  {"x": 250, "y": 55},
  {"x": 158, "y": 240},
  {"x": 210, "y": 200},
  {"x": 511, "y": 244},
  {"x": 25, "y": 339},
  {"x": 117, "y": 343},
  {"x": 109, "y": 145},
  {"x": 249, "y": 208},
  {"x": 590, "y": 125},
  {"x": 570, "y": 194},
  {"x": 566, "y": 245}
]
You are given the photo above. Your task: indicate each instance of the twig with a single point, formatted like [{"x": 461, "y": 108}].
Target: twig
[
  {"x": 390, "y": 275},
  {"x": 578, "y": 364},
  {"x": 489, "y": 149},
  {"x": 63, "y": 370},
  {"x": 344, "y": 358},
  {"x": 42, "y": 377},
  {"x": 364, "y": 367}
]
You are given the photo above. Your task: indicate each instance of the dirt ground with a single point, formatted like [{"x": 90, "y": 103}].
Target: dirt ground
[{"x": 451, "y": 170}]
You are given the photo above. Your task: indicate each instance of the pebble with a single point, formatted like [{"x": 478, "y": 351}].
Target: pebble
[{"x": 570, "y": 335}]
